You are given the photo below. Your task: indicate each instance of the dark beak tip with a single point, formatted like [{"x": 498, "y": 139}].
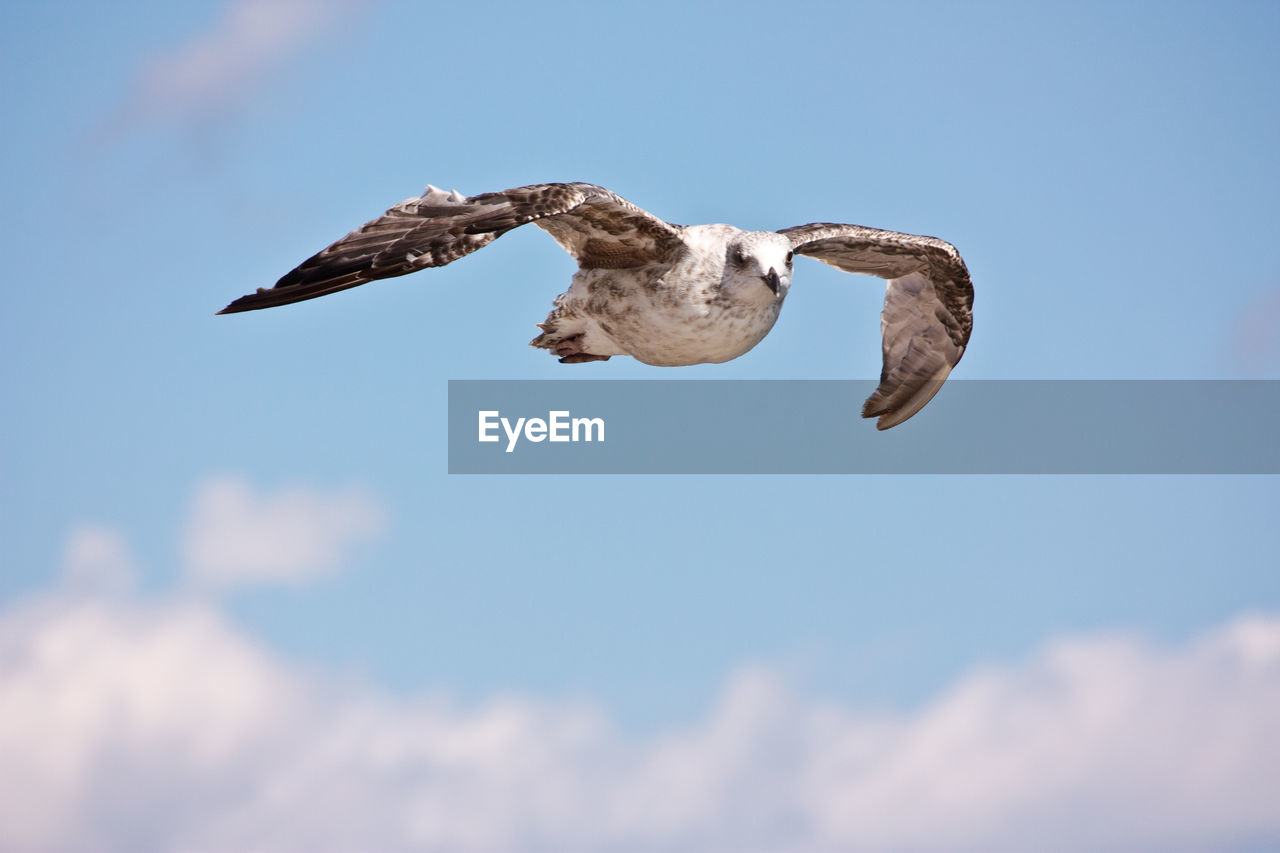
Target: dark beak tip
[{"x": 773, "y": 280}]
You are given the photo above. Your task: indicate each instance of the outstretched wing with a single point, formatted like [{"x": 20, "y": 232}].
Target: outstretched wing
[
  {"x": 597, "y": 227},
  {"x": 928, "y": 307}
]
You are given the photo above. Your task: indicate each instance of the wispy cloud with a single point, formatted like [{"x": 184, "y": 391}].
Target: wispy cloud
[
  {"x": 97, "y": 560},
  {"x": 132, "y": 724},
  {"x": 1255, "y": 335},
  {"x": 235, "y": 535},
  {"x": 218, "y": 71}
]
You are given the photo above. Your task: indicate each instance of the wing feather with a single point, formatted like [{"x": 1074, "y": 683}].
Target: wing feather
[
  {"x": 598, "y": 228},
  {"x": 928, "y": 308}
]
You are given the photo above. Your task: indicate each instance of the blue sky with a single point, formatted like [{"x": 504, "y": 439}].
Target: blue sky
[{"x": 1107, "y": 170}]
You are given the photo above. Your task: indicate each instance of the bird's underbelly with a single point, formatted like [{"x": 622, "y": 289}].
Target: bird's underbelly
[
  {"x": 679, "y": 339},
  {"x": 669, "y": 335},
  {"x": 658, "y": 322}
]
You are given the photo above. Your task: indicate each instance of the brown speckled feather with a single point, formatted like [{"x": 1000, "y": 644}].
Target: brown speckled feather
[
  {"x": 928, "y": 307},
  {"x": 597, "y": 227}
]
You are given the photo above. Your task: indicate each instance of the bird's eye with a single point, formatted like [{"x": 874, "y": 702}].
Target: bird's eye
[
  {"x": 740, "y": 257},
  {"x": 789, "y": 256}
]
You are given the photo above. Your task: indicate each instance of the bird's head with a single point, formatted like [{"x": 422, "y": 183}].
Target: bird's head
[{"x": 758, "y": 265}]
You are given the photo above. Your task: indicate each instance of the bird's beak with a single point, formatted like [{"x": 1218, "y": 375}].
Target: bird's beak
[{"x": 773, "y": 281}]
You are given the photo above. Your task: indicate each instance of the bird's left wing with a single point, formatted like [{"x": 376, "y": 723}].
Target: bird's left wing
[
  {"x": 596, "y": 226},
  {"x": 928, "y": 307}
]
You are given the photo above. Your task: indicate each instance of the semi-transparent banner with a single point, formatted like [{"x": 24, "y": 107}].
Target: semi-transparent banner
[{"x": 814, "y": 427}]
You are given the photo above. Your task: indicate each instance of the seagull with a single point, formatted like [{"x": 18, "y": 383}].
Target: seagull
[{"x": 666, "y": 294}]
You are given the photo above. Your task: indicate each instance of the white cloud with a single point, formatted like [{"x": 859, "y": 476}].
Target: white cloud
[
  {"x": 97, "y": 560},
  {"x": 235, "y": 536},
  {"x": 127, "y": 724},
  {"x": 1254, "y": 338},
  {"x": 218, "y": 70}
]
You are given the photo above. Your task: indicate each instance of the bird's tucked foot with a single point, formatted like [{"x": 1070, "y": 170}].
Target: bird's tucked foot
[{"x": 570, "y": 352}]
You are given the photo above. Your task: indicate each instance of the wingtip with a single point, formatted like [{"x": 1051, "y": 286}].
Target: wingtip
[
  {"x": 246, "y": 303},
  {"x": 888, "y": 418},
  {"x": 891, "y": 406}
]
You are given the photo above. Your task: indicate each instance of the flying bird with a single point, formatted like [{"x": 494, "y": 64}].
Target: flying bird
[{"x": 666, "y": 294}]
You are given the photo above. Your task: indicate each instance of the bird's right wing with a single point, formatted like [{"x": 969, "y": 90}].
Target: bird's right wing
[
  {"x": 928, "y": 307},
  {"x": 598, "y": 228}
]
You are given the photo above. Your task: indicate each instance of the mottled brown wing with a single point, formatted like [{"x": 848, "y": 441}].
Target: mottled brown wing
[
  {"x": 928, "y": 307},
  {"x": 597, "y": 227}
]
